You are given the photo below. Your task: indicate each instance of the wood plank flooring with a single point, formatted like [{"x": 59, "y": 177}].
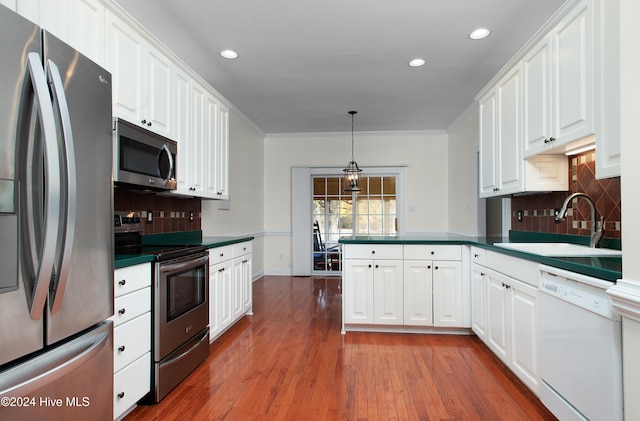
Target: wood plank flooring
[{"x": 289, "y": 362}]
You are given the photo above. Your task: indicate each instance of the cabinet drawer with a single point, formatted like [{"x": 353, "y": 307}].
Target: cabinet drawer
[
  {"x": 479, "y": 256},
  {"x": 130, "y": 306},
  {"x": 131, "y": 384},
  {"x": 432, "y": 252},
  {"x": 372, "y": 251},
  {"x": 131, "y": 278},
  {"x": 131, "y": 340},
  {"x": 220, "y": 254},
  {"x": 241, "y": 249}
]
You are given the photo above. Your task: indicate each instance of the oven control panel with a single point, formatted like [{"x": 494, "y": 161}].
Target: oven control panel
[{"x": 127, "y": 221}]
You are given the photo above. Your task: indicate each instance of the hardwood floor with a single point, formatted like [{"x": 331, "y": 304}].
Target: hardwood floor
[{"x": 290, "y": 362}]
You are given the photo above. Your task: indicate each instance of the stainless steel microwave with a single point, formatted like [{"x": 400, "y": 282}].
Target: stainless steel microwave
[{"x": 143, "y": 158}]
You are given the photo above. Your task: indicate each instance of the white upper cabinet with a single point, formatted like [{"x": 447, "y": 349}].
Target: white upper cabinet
[
  {"x": 142, "y": 77},
  {"x": 488, "y": 153},
  {"x": 510, "y": 177},
  {"x": 86, "y": 28},
  {"x": 558, "y": 84}
]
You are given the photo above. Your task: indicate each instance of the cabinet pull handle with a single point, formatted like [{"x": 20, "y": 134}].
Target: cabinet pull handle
[
  {"x": 475, "y": 255},
  {"x": 481, "y": 273},
  {"x": 144, "y": 121},
  {"x": 546, "y": 140},
  {"x": 120, "y": 395},
  {"x": 122, "y": 311},
  {"x": 551, "y": 139},
  {"x": 149, "y": 124},
  {"x": 221, "y": 270},
  {"x": 122, "y": 348},
  {"x": 122, "y": 282}
]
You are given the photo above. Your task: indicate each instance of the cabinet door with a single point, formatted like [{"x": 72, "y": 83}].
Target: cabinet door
[
  {"x": 210, "y": 146},
  {"x": 247, "y": 284},
  {"x": 158, "y": 104},
  {"x": 388, "y": 293},
  {"x": 238, "y": 288},
  {"x": 488, "y": 179},
  {"x": 182, "y": 127},
  {"x": 536, "y": 98},
  {"x": 86, "y": 28},
  {"x": 125, "y": 61},
  {"x": 222, "y": 153},
  {"x": 572, "y": 41},
  {"x": 358, "y": 291},
  {"x": 510, "y": 160},
  {"x": 524, "y": 336},
  {"x": 497, "y": 329},
  {"x": 196, "y": 147},
  {"x": 418, "y": 293},
  {"x": 215, "y": 282},
  {"x": 225, "y": 275},
  {"x": 479, "y": 302},
  {"x": 447, "y": 294}
]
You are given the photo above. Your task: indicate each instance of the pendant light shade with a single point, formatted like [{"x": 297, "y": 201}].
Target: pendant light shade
[{"x": 352, "y": 172}]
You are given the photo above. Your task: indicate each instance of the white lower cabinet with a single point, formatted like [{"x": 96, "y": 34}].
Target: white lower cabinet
[
  {"x": 504, "y": 316},
  {"x": 404, "y": 285},
  {"x": 131, "y": 337},
  {"x": 230, "y": 286}
]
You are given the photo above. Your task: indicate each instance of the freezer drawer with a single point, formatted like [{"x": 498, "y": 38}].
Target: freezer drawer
[{"x": 71, "y": 381}]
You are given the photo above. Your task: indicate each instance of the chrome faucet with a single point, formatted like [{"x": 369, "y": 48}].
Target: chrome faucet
[{"x": 596, "y": 235}]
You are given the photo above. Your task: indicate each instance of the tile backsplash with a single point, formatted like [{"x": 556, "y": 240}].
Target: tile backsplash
[
  {"x": 538, "y": 210},
  {"x": 170, "y": 214}
]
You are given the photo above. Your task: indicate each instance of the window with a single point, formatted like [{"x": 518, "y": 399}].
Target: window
[{"x": 334, "y": 215}]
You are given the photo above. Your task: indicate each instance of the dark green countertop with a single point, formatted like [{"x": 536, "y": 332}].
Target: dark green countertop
[
  {"x": 191, "y": 238},
  {"x": 607, "y": 268}
]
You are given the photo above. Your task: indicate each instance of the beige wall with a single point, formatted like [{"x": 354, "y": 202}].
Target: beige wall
[
  {"x": 246, "y": 169},
  {"x": 463, "y": 173},
  {"x": 423, "y": 154}
]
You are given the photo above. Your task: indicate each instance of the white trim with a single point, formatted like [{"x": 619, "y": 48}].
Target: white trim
[
  {"x": 279, "y": 272},
  {"x": 256, "y": 234},
  {"x": 343, "y": 134},
  {"x": 625, "y": 297},
  {"x": 278, "y": 234}
]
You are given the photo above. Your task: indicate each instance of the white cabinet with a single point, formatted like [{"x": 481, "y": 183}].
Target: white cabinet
[
  {"x": 218, "y": 170},
  {"x": 131, "y": 336},
  {"x": 488, "y": 145},
  {"x": 504, "y": 311},
  {"x": 86, "y": 28},
  {"x": 440, "y": 266},
  {"x": 607, "y": 82},
  {"x": 142, "y": 77},
  {"x": 418, "y": 293},
  {"x": 230, "y": 289},
  {"x": 558, "y": 84},
  {"x": 373, "y": 284}
]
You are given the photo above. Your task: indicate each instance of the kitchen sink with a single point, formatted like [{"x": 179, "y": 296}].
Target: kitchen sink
[{"x": 560, "y": 249}]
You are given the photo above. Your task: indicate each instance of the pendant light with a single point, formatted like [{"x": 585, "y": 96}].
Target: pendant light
[{"x": 352, "y": 172}]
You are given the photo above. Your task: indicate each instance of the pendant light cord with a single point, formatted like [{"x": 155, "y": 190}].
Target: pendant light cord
[{"x": 353, "y": 155}]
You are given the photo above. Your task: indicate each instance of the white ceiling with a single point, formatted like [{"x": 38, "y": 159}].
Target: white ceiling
[{"x": 303, "y": 64}]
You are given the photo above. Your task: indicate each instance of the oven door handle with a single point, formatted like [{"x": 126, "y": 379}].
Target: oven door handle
[{"x": 171, "y": 267}]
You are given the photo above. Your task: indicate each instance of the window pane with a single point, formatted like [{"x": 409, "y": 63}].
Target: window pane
[
  {"x": 389, "y": 185},
  {"x": 333, "y": 186},
  {"x": 318, "y": 186},
  {"x": 375, "y": 185},
  {"x": 318, "y": 207}
]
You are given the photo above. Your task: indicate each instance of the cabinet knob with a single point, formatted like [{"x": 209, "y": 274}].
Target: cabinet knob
[
  {"x": 144, "y": 121},
  {"x": 221, "y": 254},
  {"x": 551, "y": 139},
  {"x": 369, "y": 265},
  {"x": 120, "y": 395},
  {"x": 377, "y": 266},
  {"x": 122, "y": 282},
  {"x": 221, "y": 270},
  {"x": 373, "y": 252},
  {"x": 546, "y": 140},
  {"x": 122, "y": 311},
  {"x": 475, "y": 255},
  {"x": 122, "y": 348},
  {"x": 149, "y": 124},
  {"x": 433, "y": 252},
  {"x": 481, "y": 273},
  {"x": 429, "y": 267},
  {"x": 436, "y": 268}
]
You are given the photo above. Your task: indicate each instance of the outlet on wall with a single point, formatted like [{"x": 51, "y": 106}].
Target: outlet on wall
[{"x": 519, "y": 213}]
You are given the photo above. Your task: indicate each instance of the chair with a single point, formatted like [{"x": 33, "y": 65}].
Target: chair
[{"x": 322, "y": 255}]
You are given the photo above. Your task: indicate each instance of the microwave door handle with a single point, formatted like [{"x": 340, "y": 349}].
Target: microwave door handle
[
  {"x": 43, "y": 271},
  {"x": 68, "y": 215},
  {"x": 165, "y": 148}
]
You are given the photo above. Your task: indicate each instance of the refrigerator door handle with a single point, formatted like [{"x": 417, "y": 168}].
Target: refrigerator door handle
[
  {"x": 68, "y": 214},
  {"x": 38, "y": 377},
  {"x": 46, "y": 253}
]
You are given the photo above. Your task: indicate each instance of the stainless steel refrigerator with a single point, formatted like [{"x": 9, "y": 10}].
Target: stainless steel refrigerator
[{"x": 56, "y": 262}]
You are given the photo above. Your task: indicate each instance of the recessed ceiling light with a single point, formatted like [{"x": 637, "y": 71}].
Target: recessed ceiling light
[
  {"x": 480, "y": 33},
  {"x": 228, "y": 54},
  {"x": 417, "y": 62}
]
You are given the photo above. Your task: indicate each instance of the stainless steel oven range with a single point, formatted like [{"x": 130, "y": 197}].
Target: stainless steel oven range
[{"x": 180, "y": 304}]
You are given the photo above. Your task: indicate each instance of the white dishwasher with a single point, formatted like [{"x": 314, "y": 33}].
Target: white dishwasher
[{"x": 580, "y": 347}]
